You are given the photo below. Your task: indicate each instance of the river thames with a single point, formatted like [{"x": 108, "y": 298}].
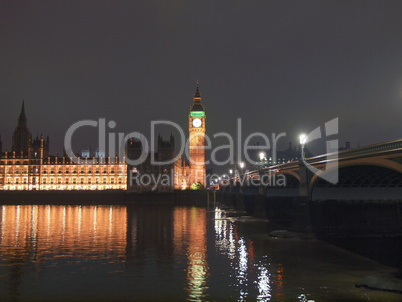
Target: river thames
[{"x": 168, "y": 253}]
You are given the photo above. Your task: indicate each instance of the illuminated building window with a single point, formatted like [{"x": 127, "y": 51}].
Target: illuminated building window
[
  {"x": 89, "y": 180},
  {"x": 67, "y": 180},
  {"x": 104, "y": 180},
  {"x": 74, "y": 181},
  {"x": 44, "y": 180},
  {"x": 82, "y": 180}
]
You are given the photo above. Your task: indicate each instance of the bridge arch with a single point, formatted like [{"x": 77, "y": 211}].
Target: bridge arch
[
  {"x": 380, "y": 183},
  {"x": 292, "y": 179},
  {"x": 392, "y": 162},
  {"x": 291, "y": 188}
]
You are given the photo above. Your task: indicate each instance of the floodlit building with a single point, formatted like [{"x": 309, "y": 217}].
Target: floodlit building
[{"x": 30, "y": 167}]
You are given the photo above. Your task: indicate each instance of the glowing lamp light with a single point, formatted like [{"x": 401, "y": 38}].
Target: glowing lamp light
[
  {"x": 303, "y": 139},
  {"x": 262, "y": 155},
  {"x": 241, "y": 165}
]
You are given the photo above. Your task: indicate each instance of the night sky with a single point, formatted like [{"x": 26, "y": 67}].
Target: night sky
[{"x": 280, "y": 66}]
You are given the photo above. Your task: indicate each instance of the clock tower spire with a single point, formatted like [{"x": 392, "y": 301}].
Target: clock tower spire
[{"x": 197, "y": 139}]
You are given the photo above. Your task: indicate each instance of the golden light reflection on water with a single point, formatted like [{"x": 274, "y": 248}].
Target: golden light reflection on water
[
  {"x": 148, "y": 253},
  {"x": 40, "y": 230},
  {"x": 190, "y": 232}
]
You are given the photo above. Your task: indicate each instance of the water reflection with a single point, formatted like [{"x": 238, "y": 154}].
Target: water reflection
[
  {"x": 242, "y": 260},
  {"x": 39, "y": 230},
  {"x": 171, "y": 241},
  {"x": 162, "y": 243},
  {"x": 190, "y": 233},
  {"x": 165, "y": 253},
  {"x": 34, "y": 237}
]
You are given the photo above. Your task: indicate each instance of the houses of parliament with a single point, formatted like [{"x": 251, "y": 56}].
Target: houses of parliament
[{"x": 29, "y": 166}]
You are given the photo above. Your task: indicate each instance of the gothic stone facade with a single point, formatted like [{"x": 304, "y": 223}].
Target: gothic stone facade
[{"x": 30, "y": 167}]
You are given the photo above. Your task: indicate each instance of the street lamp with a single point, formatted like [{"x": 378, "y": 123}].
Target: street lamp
[
  {"x": 241, "y": 164},
  {"x": 303, "y": 140},
  {"x": 262, "y": 156}
]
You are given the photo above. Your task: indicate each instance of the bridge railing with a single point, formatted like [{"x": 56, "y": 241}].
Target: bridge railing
[
  {"x": 366, "y": 150},
  {"x": 371, "y": 149}
]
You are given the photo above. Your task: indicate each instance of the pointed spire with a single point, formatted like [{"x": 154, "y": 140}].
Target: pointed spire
[
  {"x": 21, "y": 133},
  {"x": 197, "y": 105},
  {"x": 22, "y": 119},
  {"x": 197, "y": 91}
]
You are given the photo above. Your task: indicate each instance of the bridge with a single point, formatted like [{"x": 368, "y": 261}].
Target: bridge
[
  {"x": 364, "y": 201},
  {"x": 368, "y": 173}
]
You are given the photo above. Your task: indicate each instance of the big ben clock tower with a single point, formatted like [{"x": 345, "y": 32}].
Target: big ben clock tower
[{"x": 196, "y": 128}]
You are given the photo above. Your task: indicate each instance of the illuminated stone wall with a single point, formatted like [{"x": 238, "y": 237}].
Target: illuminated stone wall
[{"x": 62, "y": 174}]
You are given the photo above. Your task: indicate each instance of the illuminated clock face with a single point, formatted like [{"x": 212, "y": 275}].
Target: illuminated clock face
[{"x": 197, "y": 122}]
